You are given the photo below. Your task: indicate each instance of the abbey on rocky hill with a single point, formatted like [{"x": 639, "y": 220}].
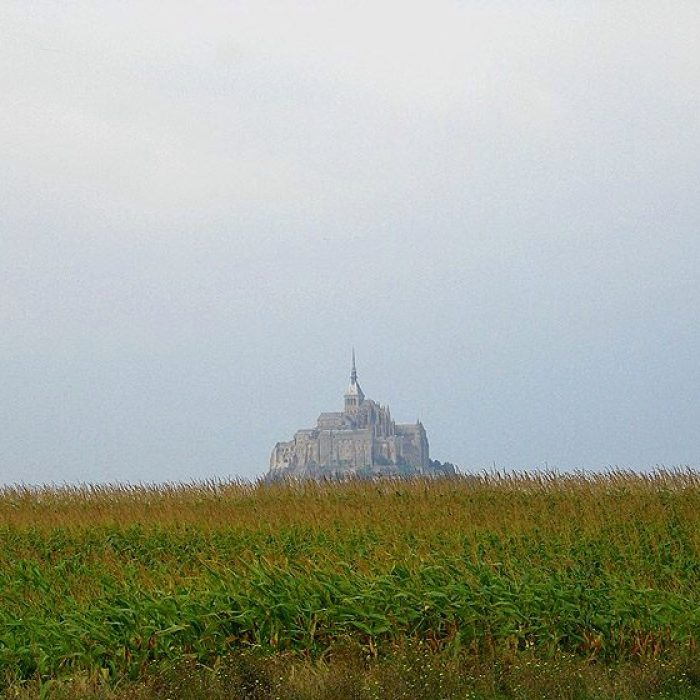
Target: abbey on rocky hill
[{"x": 361, "y": 440}]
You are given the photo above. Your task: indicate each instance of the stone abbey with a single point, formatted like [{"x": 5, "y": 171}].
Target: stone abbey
[{"x": 361, "y": 440}]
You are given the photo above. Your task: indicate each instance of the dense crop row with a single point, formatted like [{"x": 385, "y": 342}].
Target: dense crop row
[{"x": 116, "y": 579}]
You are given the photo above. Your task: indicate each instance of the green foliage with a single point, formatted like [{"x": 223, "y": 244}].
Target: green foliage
[{"x": 604, "y": 569}]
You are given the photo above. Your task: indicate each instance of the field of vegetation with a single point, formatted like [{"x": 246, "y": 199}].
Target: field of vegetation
[{"x": 468, "y": 587}]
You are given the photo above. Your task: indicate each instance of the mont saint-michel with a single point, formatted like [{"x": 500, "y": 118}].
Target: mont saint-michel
[{"x": 361, "y": 440}]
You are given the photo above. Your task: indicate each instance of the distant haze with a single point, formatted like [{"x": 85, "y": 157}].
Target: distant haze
[{"x": 204, "y": 206}]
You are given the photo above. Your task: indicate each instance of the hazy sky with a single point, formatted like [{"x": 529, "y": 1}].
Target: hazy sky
[{"x": 203, "y": 206}]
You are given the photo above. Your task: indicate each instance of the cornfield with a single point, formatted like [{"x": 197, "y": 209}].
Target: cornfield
[{"x": 114, "y": 581}]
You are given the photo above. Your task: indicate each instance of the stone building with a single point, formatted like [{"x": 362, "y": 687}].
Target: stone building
[{"x": 362, "y": 439}]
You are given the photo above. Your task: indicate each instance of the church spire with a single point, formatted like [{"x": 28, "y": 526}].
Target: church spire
[{"x": 354, "y": 396}]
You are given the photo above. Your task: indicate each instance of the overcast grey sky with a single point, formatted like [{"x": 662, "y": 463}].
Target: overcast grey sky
[{"x": 203, "y": 206}]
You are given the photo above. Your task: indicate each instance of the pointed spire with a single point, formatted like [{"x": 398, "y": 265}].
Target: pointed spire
[
  {"x": 354, "y": 396},
  {"x": 353, "y": 373}
]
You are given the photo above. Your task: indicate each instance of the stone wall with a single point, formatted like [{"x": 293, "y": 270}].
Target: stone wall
[{"x": 359, "y": 439}]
